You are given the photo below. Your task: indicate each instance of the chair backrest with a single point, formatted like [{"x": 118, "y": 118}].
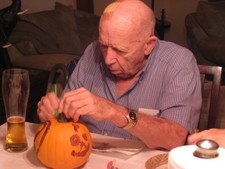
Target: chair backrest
[
  {"x": 213, "y": 74},
  {"x": 58, "y": 75}
]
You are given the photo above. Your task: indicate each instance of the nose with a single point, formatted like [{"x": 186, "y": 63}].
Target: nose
[{"x": 110, "y": 56}]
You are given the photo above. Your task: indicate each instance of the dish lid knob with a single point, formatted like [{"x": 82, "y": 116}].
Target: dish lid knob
[{"x": 206, "y": 149}]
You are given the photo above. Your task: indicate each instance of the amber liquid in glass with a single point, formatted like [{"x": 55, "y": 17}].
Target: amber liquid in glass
[{"x": 16, "y": 137}]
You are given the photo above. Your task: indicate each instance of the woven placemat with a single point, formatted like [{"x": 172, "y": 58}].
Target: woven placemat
[{"x": 157, "y": 162}]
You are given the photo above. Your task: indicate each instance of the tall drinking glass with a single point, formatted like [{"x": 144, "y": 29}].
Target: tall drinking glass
[{"x": 15, "y": 92}]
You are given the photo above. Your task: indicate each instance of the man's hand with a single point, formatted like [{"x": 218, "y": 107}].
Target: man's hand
[
  {"x": 47, "y": 106},
  {"x": 217, "y": 135},
  {"x": 83, "y": 102}
]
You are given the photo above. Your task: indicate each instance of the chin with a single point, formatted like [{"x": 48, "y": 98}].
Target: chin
[{"x": 122, "y": 76}]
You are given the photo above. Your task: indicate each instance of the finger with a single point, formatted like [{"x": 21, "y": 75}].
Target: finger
[
  {"x": 75, "y": 94},
  {"x": 53, "y": 99},
  {"x": 67, "y": 107},
  {"x": 68, "y": 102},
  {"x": 47, "y": 106},
  {"x": 44, "y": 114},
  {"x": 88, "y": 110},
  {"x": 41, "y": 110},
  {"x": 39, "y": 113},
  {"x": 43, "y": 117},
  {"x": 76, "y": 117},
  {"x": 192, "y": 139},
  {"x": 71, "y": 110},
  {"x": 50, "y": 101},
  {"x": 40, "y": 102}
]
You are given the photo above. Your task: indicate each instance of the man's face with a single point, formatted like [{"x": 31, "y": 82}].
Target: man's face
[{"x": 122, "y": 50}]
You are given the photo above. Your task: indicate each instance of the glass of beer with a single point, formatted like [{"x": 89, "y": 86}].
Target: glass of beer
[{"x": 15, "y": 92}]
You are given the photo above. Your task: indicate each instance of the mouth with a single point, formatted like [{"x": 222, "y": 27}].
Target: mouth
[{"x": 113, "y": 71}]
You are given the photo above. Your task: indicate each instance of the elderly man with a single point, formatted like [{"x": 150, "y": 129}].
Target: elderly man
[{"x": 129, "y": 84}]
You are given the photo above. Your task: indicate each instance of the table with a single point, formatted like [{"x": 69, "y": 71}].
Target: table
[{"x": 28, "y": 159}]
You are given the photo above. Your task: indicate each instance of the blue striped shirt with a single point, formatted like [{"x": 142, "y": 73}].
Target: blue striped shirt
[{"x": 168, "y": 85}]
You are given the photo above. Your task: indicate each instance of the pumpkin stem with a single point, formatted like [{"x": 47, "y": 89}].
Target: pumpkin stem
[{"x": 62, "y": 118}]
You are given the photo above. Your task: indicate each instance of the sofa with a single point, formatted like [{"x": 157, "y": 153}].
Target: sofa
[
  {"x": 43, "y": 39},
  {"x": 206, "y": 33}
]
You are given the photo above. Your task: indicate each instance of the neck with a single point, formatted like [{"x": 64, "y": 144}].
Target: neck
[{"x": 123, "y": 84}]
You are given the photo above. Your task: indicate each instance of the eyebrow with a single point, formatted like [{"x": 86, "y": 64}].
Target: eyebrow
[{"x": 122, "y": 49}]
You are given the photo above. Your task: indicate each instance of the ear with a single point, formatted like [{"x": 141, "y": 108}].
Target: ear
[{"x": 150, "y": 44}]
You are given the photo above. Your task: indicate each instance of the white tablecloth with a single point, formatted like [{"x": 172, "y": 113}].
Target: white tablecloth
[{"x": 28, "y": 159}]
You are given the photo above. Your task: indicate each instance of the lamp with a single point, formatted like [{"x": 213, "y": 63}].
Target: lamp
[{"x": 161, "y": 24}]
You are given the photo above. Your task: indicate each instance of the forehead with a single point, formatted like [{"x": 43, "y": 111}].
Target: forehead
[{"x": 117, "y": 30}]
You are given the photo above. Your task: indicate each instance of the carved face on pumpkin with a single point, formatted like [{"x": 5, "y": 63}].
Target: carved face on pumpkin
[{"x": 63, "y": 145}]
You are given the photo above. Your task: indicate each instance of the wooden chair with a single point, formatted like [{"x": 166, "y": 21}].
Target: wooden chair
[
  {"x": 211, "y": 73},
  {"x": 58, "y": 75}
]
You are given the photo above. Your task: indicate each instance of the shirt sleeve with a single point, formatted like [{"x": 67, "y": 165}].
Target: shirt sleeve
[
  {"x": 182, "y": 99},
  {"x": 78, "y": 75}
]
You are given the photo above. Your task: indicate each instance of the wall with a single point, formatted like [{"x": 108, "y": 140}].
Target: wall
[
  {"x": 37, "y": 5},
  {"x": 176, "y": 10}
]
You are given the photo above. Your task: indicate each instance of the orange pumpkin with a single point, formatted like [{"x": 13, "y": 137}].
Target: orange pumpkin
[{"x": 62, "y": 145}]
